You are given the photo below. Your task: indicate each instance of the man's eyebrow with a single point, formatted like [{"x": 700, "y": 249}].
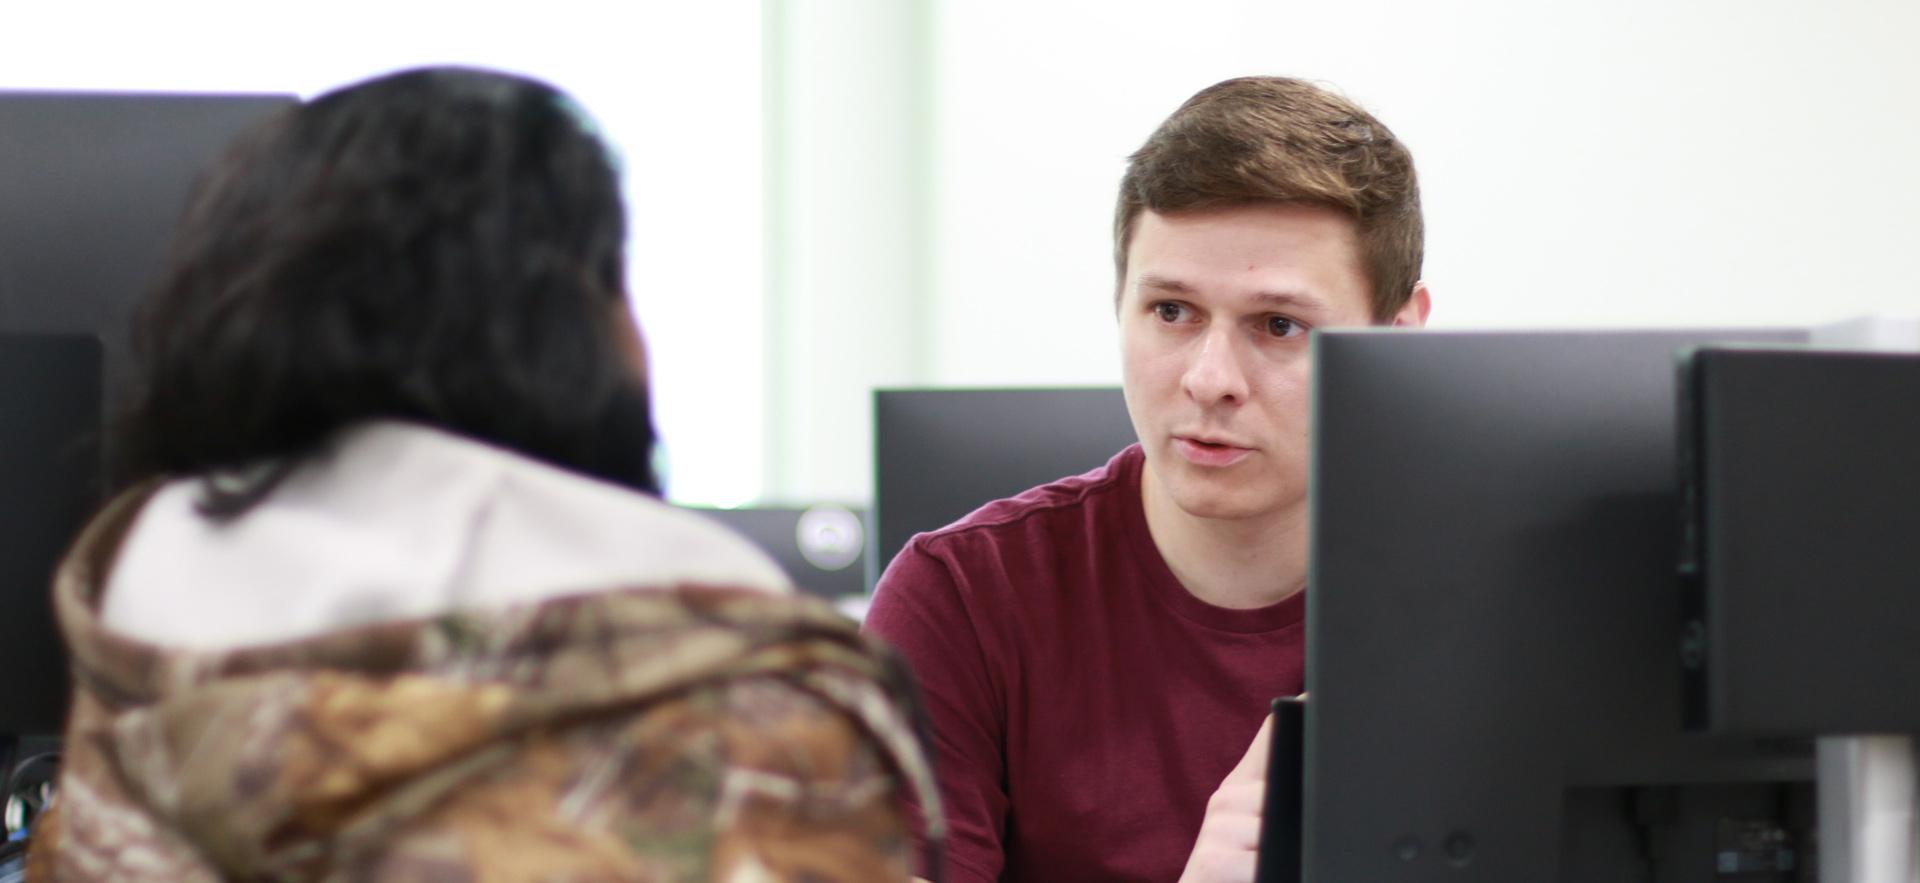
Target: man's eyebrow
[
  {"x": 1163, "y": 283},
  {"x": 1270, "y": 300},
  {"x": 1295, "y": 300},
  {"x": 1292, "y": 299}
]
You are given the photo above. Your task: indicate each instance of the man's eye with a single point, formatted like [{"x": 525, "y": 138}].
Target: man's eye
[
  {"x": 1281, "y": 326},
  {"x": 1169, "y": 312}
]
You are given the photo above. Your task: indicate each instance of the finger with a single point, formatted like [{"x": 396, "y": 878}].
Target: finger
[
  {"x": 1241, "y": 832},
  {"x": 1241, "y": 798},
  {"x": 1253, "y": 764},
  {"x": 1231, "y": 865}
]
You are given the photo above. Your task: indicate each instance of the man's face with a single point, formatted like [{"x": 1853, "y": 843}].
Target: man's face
[{"x": 1214, "y": 315}]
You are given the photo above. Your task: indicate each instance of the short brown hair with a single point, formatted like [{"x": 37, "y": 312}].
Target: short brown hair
[{"x": 1256, "y": 139}]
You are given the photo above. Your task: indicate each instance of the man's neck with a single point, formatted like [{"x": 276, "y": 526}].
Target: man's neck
[{"x": 1235, "y": 563}]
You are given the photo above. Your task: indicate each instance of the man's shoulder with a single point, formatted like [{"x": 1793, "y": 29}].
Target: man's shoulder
[
  {"x": 1026, "y": 559},
  {"x": 1060, "y": 509}
]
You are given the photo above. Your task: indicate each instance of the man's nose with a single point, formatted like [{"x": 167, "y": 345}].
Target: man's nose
[{"x": 1215, "y": 373}]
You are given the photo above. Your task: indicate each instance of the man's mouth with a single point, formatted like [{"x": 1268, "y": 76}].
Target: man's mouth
[{"x": 1211, "y": 452}]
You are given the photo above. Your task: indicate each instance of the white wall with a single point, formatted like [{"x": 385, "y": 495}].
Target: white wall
[
  {"x": 920, "y": 191},
  {"x": 1627, "y": 163},
  {"x": 847, "y": 205}
]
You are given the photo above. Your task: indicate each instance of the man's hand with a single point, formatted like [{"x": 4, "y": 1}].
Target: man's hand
[{"x": 1229, "y": 841}]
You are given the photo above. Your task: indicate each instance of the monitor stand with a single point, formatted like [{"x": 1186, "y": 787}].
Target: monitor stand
[
  {"x": 1867, "y": 809},
  {"x": 1869, "y": 803}
]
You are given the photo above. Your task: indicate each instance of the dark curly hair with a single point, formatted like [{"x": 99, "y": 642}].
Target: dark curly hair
[{"x": 441, "y": 245}]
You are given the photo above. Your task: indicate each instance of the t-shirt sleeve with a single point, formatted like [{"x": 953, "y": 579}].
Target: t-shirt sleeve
[{"x": 920, "y": 606}]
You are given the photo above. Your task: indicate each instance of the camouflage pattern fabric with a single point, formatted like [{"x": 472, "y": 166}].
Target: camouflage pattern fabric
[{"x": 649, "y": 734}]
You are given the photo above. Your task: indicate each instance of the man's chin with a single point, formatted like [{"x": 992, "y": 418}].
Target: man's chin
[
  {"x": 1219, "y": 505},
  {"x": 1213, "y": 494}
]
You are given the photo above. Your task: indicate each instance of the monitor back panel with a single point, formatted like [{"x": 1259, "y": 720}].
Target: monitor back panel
[
  {"x": 1808, "y": 477},
  {"x": 1494, "y": 612}
]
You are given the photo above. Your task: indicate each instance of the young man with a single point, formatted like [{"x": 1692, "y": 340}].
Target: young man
[{"x": 1098, "y": 653}]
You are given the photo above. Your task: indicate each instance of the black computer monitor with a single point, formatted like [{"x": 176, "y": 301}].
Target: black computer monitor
[
  {"x": 1803, "y": 493},
  {"x": 1494, "y": 624},
  {"x": 50, "y": 393},
  {"x": 91, "y": 184},
  {"x": 941, "y": 453},
  {"x": 822, "y": 548}
]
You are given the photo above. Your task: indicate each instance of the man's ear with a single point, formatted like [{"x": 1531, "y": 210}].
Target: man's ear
[{"x": 1414, "y": 313}]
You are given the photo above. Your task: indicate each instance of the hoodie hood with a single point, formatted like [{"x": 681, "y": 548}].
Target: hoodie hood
[
  {"x": 296, "y": 760},
  {"x": 392, "y": 520}
]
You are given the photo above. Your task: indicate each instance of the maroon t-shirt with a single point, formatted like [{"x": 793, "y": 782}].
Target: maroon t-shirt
[{"x": 1084, "y": 704}]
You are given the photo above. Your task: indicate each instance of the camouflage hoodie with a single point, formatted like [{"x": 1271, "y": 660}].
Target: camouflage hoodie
[{"x": 655, "y": 734}]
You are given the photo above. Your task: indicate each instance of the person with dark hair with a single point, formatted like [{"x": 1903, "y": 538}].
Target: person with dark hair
[
  {"x": 386, "y": 592},
  {"x": 1098, "y": 653}
]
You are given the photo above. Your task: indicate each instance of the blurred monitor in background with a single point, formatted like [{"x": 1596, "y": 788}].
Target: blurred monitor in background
[
  {"x": 93, "y": 184},
  {"x": 49, "y": 480},
  {"x": 822, "y": 548},
  {"x": 942, "y": 453}
]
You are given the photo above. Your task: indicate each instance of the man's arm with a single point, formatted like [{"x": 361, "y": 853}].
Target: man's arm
[{"x": 920, "y": 607}]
